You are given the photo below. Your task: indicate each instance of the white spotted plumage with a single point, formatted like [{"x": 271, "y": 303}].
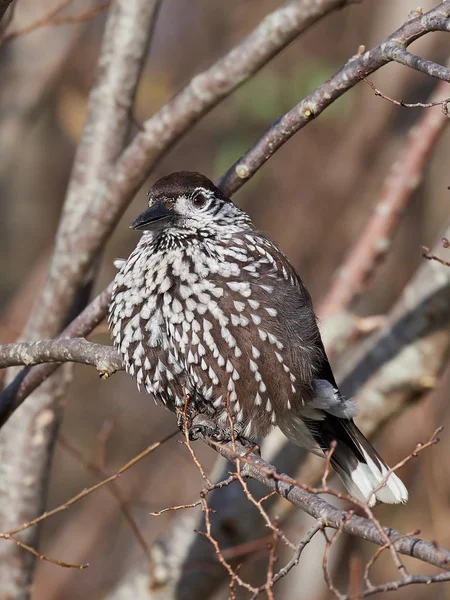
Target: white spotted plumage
[{"x": 207, "y": 309}]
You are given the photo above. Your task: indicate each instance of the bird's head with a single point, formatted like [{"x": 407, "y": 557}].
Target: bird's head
[{"x": 191, "y": 202}]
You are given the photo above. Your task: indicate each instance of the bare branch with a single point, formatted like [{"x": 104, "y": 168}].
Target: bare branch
[
  {"x": 410, "y": 580},
  {"x": 104, "y": 358},
  {"x": 442, "y": 103},
  {"x": 431, "y": 256},
  {"x": 114, "y": 488},
  {"x": 357, "y": 68},
  {"x": 34, "y": 552},
  {"x": 88, "y": 491},
  {"x": 375, "y": 240},
  {"x": 123, "y": 50},
  {"x": 4, "y": 5},
  {"x": 52, "y": 18},
  {"x": 418, "y": 449},
  {"x": 329, "y": 515},
  {"x": 92, "y": 220},
  {"x": 300, "y": 547},
  {"x": 27, "y": 381},
  {"x": 38, "y": 430}
]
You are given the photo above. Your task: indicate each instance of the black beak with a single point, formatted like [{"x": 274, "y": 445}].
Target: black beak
[{"x": 153, "y": 215}]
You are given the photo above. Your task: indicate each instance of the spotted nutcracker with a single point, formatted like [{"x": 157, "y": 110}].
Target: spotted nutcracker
[{"x": 207, "y": 308}]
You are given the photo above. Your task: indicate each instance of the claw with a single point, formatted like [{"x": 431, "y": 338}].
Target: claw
[{"x": 203, "y": 427}]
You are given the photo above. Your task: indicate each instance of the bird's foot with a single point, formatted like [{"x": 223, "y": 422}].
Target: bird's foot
[
  {"x": 249, "y": 445},
  {"x": 203, "y": 427}
]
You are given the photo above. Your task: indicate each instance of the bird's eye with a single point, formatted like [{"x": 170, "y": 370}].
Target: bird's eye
[{"x": 199, "y": 199}]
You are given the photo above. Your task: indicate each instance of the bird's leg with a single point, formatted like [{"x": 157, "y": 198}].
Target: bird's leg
[
  {"x": 186, "y": 416},
  {"x": 250, "y": 445},
  {"x": 202, "y": 426}
]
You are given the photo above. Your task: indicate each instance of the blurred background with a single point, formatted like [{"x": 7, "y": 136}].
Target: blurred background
[{"x": 313, "y": 197}]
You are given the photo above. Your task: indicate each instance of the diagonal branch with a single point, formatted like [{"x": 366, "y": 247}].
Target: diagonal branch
[
  {"x": 26, "y": 444},
  {"x": 357, "y": 68},
  {"x": 123, "y": 51},
  {"x": 4, "y": 5},
  {"x": 286, "y": 487},
  {"x": 374, "y": 242}
]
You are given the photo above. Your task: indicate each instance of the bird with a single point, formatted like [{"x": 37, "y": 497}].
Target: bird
[{"x": 207, "y": 311}]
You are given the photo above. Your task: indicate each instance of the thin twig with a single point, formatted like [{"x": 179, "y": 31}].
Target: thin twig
[
  {"x": 318, "y": 526},
  {"x": 417, "y": 450},
  {"x": 328, "y": 544},
  {"x": 33, "y": 551},
  {"x": 114, "y": 490},
  {"x": 51, "y": 18},
  {"x": 306, "y": 499},
  {"x": 234, "y": 577},
  {"x": 378, "y": 553},
  {"x": 374, "y": 242},
  {"x": 442, "y": 103},
  {"x": 430, "y": 256},
  {"x": 175, "y": 508},
  {"x": 88, "y": 491}
]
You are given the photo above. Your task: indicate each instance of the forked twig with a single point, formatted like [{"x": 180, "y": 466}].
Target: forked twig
[
  {"x": 442, "y": 103},
  {"x": 430, "y": 256},
  {"x": 88, "y": 491}
]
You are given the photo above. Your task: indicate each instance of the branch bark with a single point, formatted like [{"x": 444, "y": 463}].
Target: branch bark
[
  {"x": 27, "y": 441},
  {"x": 123, "y": 52},
  {"x": 28, "y": 380},
  {"x": 105, "y": 359},
  {"x": 86, "y": 229},
  {"x": 92, "y": 220},
  {"x": 4, "y": 5},
  {"x": 256, "y": 468},
  {"x": 397, "y": 364},
  {"x": 373, "y": 245},
  {"x": 358, "y": 67}
]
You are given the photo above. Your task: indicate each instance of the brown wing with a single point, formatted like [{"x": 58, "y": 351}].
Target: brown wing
[{"x": 251, "y": 339}]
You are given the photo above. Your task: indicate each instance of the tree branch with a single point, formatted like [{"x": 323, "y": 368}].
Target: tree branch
[
  {"x": 104, "y": 358},
  {"x": 123, "y": 51},
  {"x": 286, "y": 487},
  {"x": 357, "y": 68},
  {"x": 92, "y": 220},
  {"x": 373, "y": 245},
  {"x": 4, "y": 5},
  {"x": 26, "y": 444},
  {"x": 28, "y": 380}
]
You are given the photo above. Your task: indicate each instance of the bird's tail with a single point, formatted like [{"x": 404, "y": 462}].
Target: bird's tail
[
  {"x": 357, "y": 463},
  {"x": 354, "y": 459}
]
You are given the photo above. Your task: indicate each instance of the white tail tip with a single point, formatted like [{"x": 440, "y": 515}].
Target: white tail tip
[{"x": 366, "y": 478}]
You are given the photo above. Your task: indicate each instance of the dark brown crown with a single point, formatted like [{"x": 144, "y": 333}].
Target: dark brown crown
[{"x": 181, "y": 183}]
